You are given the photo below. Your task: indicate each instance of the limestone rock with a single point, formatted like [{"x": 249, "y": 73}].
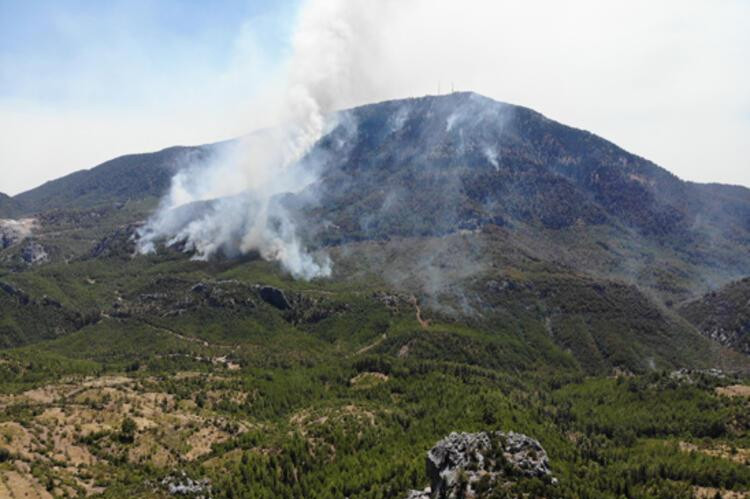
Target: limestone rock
[
  {"x": 474, "y": 464},
  {"x": 15, "y": 231},
  {"x": 34, "y": 253},
  {"x": 182, "y": 485}
]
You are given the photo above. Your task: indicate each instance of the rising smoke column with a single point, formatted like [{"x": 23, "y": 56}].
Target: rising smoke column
[{"x": 228, "y": 204}]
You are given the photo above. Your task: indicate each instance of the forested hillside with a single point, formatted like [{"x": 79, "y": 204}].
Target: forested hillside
[{"x": 491, "y": 271}]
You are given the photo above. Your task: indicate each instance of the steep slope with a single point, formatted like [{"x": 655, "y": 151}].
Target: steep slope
[
  {"x": 127, "y": 178},
  {"x": 8, "y": 207},
  {"x": 498, "y": 160},
  {"x": 26, "y": 319},
  {"x": 492, "y": 271},
  {"x": 435, "y": 165},
  {"x": 488, "y": 214},
  {"x": 490, "y": 281},
  {"x": 723, "y": 315}
]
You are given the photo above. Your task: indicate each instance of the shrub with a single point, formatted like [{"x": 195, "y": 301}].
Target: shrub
[{"x": 127, "y": 431}]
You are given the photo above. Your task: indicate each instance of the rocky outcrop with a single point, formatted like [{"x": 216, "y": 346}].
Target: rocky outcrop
[
  {"x": 168, "y": 297},
  {"x": 693, "y": 376},
  {"x": 120, "y": 243},
  {"x": 274, "y": 296},
  {"x": 299, "y": 308},
  {"x": 182, "y": 485},
  {"x": 14, "y": 231},
  {"x": 419, "y": 494},
  {"x": 7, "y": 238},
  {"x": 34, "y": 253},
  {"x": 391, "y": 301},
  {"x": 19, "y": 295},
  {"x": 478, "y": 464}
]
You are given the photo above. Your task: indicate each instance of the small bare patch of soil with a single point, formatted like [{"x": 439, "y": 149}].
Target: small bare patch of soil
[
  {"x": 233, "y": 456},
  {"x": 368, "y": 379},
  {"x": 734, "y": 391},
  {"x": 18, "y": 440},
  {"x": 738, "y": 455},
  {"x": 44, "y": 395},
  {"x": 24, "y": 486},
  {"x": 710, "y": 493},
  {"x": 371, "y": 345},
  {"x": 201, "y": 441},
  {"x": 404, "y": 351}
]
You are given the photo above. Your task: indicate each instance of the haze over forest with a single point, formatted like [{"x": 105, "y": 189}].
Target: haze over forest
[{"x": 407, "y": 249}]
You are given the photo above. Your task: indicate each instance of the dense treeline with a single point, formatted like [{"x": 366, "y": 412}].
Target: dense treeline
[{"x": 360, "y": 426}]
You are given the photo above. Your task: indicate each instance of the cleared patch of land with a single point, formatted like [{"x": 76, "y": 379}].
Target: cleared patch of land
[
  {"x": 711, "y": 493},
  {"x": 734, "y": 391},
  {"x": 738, "y": 455}
]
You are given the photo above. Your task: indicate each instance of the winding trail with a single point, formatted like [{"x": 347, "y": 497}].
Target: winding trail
[
  {"x": 371, "y": 345},
  {"x": 182, "y": 337},
  {"x": 422, "y": 322}
]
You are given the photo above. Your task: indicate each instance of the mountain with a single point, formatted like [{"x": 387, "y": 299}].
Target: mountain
[
  {"x": 497, "y": 278},
  {"x": 434, "y": 165},
  {"x": 486, "y": 209},
  {"x": 496, "y": 161},
  {"x": 438, "y": 164},
  {"x": 723, "y": 315},
  {"x": 8, "y": 207},
  {"x": 131, "y": 177}
]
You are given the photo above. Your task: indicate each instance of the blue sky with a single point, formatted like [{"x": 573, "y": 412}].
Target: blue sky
[
  {"x": 82, "y": 82},
  {"x": 110, "y": 53}
]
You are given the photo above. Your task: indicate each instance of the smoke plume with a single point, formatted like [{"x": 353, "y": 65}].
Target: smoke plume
[{"x": 230, "y": 204}]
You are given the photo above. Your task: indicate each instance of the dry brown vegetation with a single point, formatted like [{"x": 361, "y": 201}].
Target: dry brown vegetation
[
  {"x": 734, "y": 391},
  {"x": 75, "y": 428},
  {"x": 366, "y": 380},
  {"x": 710, "y": 493},
  {"x": 735, "y": 454}
]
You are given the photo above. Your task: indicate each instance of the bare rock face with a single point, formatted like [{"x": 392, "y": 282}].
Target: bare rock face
[
  {"x": 7, "y": 237},
  {"x": 14, "y": 231},
  {"x": 120, "y": 243},
  {"x": 420, "y": 494},
  {"x": 275, "y": 297},
  {"x": 19, "y": 232},
  {"x": 478, "y": 464},
  {"x": 182, "y": 485},
  {"x": 34, "y": 253}
]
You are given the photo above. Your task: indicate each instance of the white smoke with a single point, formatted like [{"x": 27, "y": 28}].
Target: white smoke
[
  {"x": 228, "y": 204},
  {"x": 490, "y": 152}
]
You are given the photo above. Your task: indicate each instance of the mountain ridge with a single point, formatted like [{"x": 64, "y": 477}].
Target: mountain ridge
[
  {"x": 493, "y": 274},
  {"x": 436, "y": 164},
  {"x": 426, "y": 172},
  {"x": 34, "y": 198},
  {"x": 131, "y": 176}
]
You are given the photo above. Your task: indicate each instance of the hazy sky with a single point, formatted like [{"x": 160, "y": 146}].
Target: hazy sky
[{"x": 84, "y": 81}]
